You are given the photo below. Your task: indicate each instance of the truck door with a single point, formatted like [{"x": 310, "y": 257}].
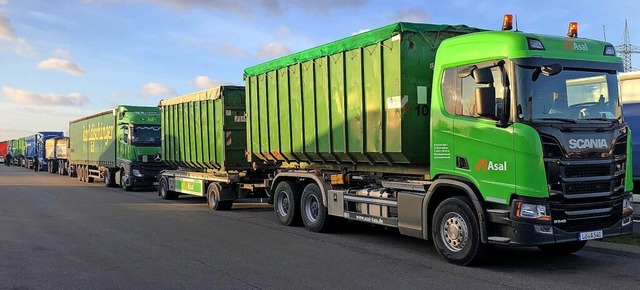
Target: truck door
[{"x": 482, "y": 147}]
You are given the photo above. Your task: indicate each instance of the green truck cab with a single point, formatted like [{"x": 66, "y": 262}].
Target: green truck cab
[
  {"x": 121, "y": 146},
  {"x": 467, "y": 137}
]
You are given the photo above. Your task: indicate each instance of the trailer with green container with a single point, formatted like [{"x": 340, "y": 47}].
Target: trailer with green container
[
  {"x": 204, "y": 137},
  {"x": 470, "y": 138},
  {"x": 121, "y": 146},
  {"x": 18, "y": 151}
]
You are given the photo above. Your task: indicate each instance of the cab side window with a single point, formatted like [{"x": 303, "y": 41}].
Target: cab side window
[{"x": 460, "y": 93}]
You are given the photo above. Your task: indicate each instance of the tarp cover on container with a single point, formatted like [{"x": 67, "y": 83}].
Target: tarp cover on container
[{"x": 359, "y": 100}]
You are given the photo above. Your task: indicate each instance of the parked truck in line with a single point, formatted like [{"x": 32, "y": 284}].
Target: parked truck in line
[
  {"x": 57, "y": 154},
  {"x": 4, "y": 149},
  {"x": 18, "y": 151},
  {"x": 121, "y": 146},
  {"x": 469, "y": 138},
  {"x": 630, "y": 94},
  {"x": 204, "y": 136},
  {"x": 34, "y": 149}
]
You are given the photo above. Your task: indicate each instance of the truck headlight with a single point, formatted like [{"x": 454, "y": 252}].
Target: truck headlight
[
  {"x": 532, "y": 211},
  {"x": 136, "y": 173},
  {"x": 627, "y": 205}
]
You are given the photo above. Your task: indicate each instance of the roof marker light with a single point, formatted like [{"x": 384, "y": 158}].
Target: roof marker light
[
  {"x": 609, "y": 50},
  {"x": 535, "y": 44},
  {"x": 507, "y": 22},
  {"x": 573, "y": 29}
]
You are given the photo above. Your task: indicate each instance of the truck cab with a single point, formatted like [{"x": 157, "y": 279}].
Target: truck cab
[
  {"x": 138, "y": 147},
  {"x": 533, "y": 124}
]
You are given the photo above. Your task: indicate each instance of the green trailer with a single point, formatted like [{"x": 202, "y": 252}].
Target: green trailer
[
  {"x": 121, "y": 146},
  {"x": 204, "y": 136},
  {"x": 18, "y": 151},
  {"x": 467, "y": 137}
]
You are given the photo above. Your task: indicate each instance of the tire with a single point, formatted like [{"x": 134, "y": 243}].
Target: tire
[
  {"x": 563, "y": 249},
  {"x": 164, "y": 192},
  {"x": 123, "y": 181},
  {"x": 456, "y": 232},
  {"x": 314, "y": 213},
  {"x": 213, "y": 198},
  {"x": 286, "y": 203},
  {"x": 108, "y": 179}
]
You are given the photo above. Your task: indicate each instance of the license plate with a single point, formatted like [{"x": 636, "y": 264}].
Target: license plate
[{"x": 590, "y": 235}]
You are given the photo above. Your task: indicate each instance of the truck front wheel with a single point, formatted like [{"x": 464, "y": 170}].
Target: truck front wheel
[
  {"x": 456, "y": 232},
  {"x": 124, "y": 180},
  {"x": 286, "y": 203},
  {"x": 108, "y": 178},
  {"x": 562, "y": 249}
]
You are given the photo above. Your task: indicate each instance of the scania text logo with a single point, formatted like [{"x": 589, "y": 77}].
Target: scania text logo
[{"x": 588, "y": 143}]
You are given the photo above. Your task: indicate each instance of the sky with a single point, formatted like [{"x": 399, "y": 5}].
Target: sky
[{"x": 64, "y": 59}]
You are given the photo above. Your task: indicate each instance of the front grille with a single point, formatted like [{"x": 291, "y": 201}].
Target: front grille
[
  {"x": 585, "y": 187},
  {"x": 592, "y": 170},
  {"x": 586, "y": 194}
]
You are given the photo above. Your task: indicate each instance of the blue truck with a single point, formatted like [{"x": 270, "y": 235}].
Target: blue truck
[{"x": 34, "y": 149}]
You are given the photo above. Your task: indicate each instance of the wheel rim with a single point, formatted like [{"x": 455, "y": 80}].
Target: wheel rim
[
  {"x": 123, "y": 181},
  {"x": 284, "y": 203},
  {"x": 454, "y": 232},
  {"x": 311, "y": 208},
  {"x": 163, "y": 188}
]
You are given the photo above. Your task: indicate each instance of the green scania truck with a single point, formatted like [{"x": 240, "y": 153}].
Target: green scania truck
[
  {"x": 121, "y": 146},
  {"x": 467, "y": 137}
]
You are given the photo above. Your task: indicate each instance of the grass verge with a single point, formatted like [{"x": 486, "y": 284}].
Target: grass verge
[{"x": 633, "y": 239}]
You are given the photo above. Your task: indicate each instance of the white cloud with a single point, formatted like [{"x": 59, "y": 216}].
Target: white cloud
[
  {"x": 272, "y": 50},
  {"x": 7, "y": 33},
  {"x": 157, "y": 89},
  {"x": 204, "y": 82},
  {"x": 62, "y": 65},
  {"x": 61, "y": 53},
  {"x": 3, "y": 2},
  {"x": 361, "y": 31},
  {"x": 410, "y": 15},
  {"x": 25, "y": 97}
]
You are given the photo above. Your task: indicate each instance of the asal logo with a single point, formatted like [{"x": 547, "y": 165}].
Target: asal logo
[
  {"x": 485, "y": 165},
  {"x": 588, "y": 143},
  {"x": 572, "y": 46}
]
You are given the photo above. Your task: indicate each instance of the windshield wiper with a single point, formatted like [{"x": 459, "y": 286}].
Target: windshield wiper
[
  {"x": 602, "y": 119},
  {"x": 567, "y": 120}
]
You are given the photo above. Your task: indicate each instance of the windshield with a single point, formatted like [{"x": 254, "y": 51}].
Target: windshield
[
  {"x": 146, "y": 135},
  {"x": 570, "y": 95}
]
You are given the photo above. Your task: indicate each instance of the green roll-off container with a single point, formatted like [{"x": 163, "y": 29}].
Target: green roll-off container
[
  {"x": 18, "y": 147},
  {"x": 359, "y": 100},
  {"x": 205, "y": 131}
]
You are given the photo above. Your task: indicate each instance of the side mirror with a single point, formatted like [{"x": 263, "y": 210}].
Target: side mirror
[
  {"x": 486, "y": 102},
  {"x": 483, "y": 75}
]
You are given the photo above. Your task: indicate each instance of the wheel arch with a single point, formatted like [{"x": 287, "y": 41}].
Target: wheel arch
[
  {"x": 444, "y": 188},
  {"x": 304, "y": 178}
]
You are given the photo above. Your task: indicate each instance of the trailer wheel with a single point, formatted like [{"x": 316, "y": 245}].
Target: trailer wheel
[
  {"x": 123, "y": 181},
  {"x": 79, "y": 173},
  {"x": 314, "y": 213},
  {"x": 213, "y": 198},
  {"x": 456, "y": 232},
  {"x": 163, "y": 190},
  {"x": 563, "y": 249},
  {"x": 286, "y": 203}
]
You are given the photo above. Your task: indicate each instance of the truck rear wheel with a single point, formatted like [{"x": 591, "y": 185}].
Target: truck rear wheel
[
  {"x": 213, "y": 198},
  {"x": 163, "y": 190},
  {"x": 456, "y": 232},
  {"x": 314, "y": 213},
  {"x": 286, "y": 203},
  {"x": 563, "y": 249}
]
